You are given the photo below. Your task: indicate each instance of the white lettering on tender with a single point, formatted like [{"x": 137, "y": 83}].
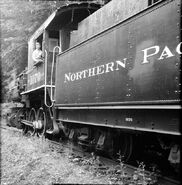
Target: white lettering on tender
[
  {"x": 146, "y": 55},
  {"x": 165, "y": 53},
  {"x": 73, "y": 77},
  {"x": 84, "y": 73},
  {"x": 178, "y": 48},
  {"x": 114, "y": 66},
  {"x": 78, "y": 76},
  {"x": 67, "y": 77},
  {"x": 122, "y": 64},
  {"x": 109, "y": 66},
  {"x": 91, "y": 72},
  {"x": 98, "y": 70}
]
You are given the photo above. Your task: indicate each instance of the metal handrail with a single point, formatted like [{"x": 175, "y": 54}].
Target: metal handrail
[
  {"x": 52, "y": 69},
  {"x": 45, "y": 83}
]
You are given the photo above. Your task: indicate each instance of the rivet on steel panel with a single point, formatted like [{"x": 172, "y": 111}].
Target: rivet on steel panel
[{"x": 106, "y": 121}]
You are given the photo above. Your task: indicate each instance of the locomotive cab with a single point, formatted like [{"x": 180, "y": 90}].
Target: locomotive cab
[
  {"x": 54, "y": 36},
  {"x": 54, "y": 32}
]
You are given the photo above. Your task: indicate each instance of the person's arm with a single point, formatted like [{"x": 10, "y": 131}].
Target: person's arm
[
  {"x": 34, "y": 57},
  {"x": 37, "y": 56}
]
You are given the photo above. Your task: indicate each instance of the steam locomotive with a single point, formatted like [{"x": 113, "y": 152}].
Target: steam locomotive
[{"x": 109, "y": 81}]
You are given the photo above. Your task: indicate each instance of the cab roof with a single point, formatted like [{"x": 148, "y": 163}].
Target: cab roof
[{"x": 65, "y": 15}]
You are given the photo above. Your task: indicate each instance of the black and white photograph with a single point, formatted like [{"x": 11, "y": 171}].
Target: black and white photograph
[{"x": 90, "y": 92}]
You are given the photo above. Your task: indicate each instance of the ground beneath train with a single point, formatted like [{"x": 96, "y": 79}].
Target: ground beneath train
[{"x": 27, "y": 160}]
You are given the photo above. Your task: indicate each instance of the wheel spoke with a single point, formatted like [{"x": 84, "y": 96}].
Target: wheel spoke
[
  {"x": 41, "y": 122},
  {"x": 25, "y": 117},
  {"x": 32, "y": 118}
]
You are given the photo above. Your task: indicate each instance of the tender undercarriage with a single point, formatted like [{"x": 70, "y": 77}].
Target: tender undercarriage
[{"x": 159, "y": 152}]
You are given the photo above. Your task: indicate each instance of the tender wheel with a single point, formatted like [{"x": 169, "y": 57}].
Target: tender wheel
[
  {"x": 32, "y": 118},
  {"x": 41, "y": 122}
]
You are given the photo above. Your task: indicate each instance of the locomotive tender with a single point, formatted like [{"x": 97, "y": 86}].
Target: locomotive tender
[{"x": 110, "y": 79}]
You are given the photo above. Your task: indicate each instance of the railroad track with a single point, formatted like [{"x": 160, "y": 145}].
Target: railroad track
[
  {"x": 10, "y": 128},
  {"x": 105, "y": 163}
]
